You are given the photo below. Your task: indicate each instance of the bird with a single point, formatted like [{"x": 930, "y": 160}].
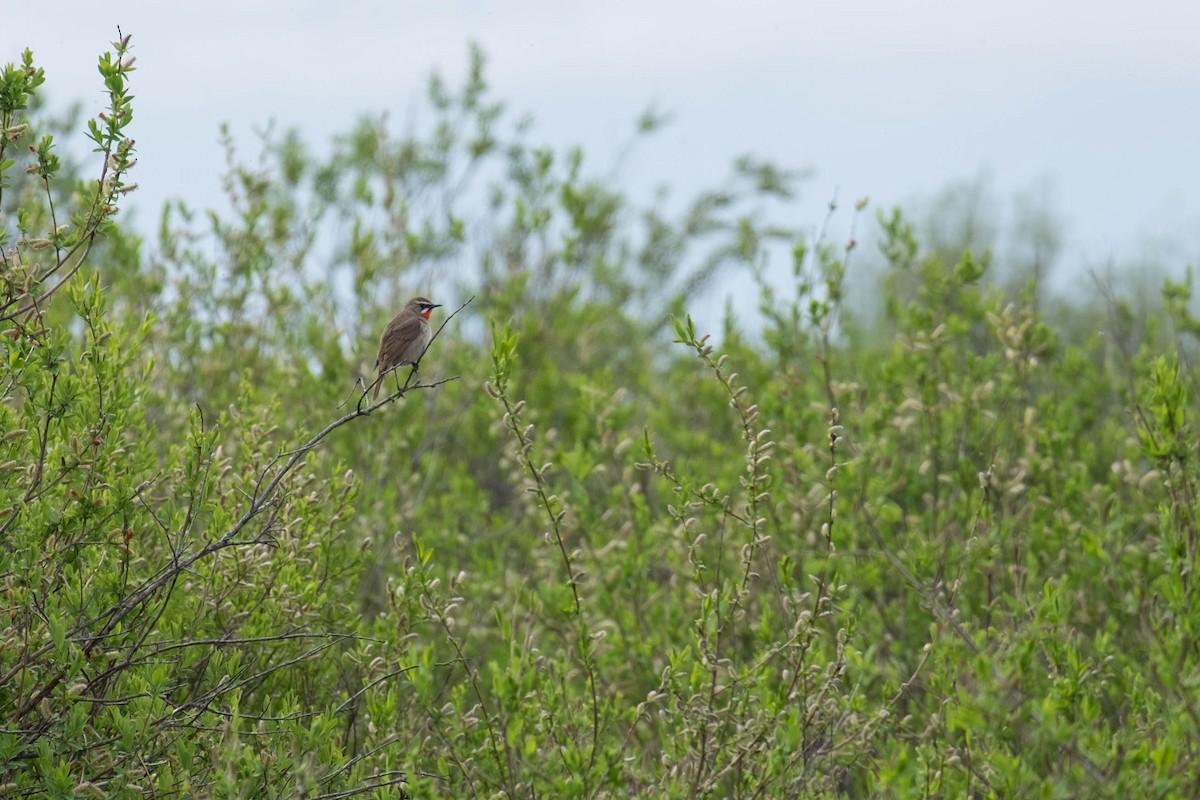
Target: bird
[{"x": 404, "y": 339}]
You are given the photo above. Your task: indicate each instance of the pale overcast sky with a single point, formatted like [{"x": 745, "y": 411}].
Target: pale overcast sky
[{"x": 1099, "y": 100}]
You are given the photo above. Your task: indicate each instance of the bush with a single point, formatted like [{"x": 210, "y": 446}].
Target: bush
[{"x": 588, "y": 550}]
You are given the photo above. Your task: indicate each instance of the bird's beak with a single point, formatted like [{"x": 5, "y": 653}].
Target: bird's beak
[{"x": 435, "y": 305}]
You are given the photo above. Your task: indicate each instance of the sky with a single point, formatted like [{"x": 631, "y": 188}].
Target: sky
[{"x": 1093, "y": 105}]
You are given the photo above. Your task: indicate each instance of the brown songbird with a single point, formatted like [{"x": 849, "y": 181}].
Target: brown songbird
[{"x": 404, "y": 339}]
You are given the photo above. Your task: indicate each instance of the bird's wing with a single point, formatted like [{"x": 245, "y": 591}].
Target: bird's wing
[{"x": 399, "y": 334}]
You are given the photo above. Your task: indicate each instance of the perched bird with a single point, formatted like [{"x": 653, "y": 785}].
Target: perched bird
[{"x": 404, "y": 339}]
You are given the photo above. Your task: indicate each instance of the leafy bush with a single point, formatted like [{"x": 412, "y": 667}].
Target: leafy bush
[{"x": 588, "y": 551}]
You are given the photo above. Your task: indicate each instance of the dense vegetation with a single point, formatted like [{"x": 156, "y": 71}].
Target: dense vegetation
[{"x": 944, "y": 550}]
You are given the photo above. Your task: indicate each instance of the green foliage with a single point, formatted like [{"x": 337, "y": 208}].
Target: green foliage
[{"x": 946, "y": 552}]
